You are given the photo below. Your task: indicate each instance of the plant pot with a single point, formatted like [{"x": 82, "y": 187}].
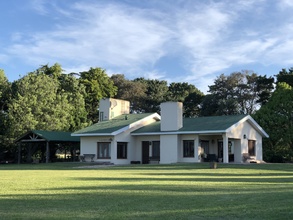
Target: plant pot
[{"x": 213, "y": 165}]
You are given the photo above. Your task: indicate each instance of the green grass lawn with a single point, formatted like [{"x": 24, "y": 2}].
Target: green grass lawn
[{"x": 181, "y": 191}]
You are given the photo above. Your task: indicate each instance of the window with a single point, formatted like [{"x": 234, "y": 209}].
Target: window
[
  {"x": 251, "y": 148},
  {"x": 205, "y": 147},
  {"x": 156, "y": 149},
  {"x": 188, "y": 148},
  {"x": 121, "y": 150},
  {"x": 104, "y": 150}
]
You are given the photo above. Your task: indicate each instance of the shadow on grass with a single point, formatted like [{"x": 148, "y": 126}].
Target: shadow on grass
[
  {"x": 145, "y": 193},
  {"x": 149, "y": 202}
]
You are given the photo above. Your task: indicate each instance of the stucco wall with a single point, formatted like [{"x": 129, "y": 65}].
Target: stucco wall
[
  {"x": 169, "y": 149},
  {"x": 180, "y": 148},
  {"x": 138, "y": 145},
  {"x": 250, "y": 133},
  {"x": 171, "y": 116},
  {"x": 112, "y": 108}
]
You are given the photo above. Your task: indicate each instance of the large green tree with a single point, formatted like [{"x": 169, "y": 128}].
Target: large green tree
[
  {"x": 132, "y": 91},
  {"x": 156, "y": 93},
  {"x": 36, "y": 104},
  {"x": 97, "y": 85},
  {"x": 70, "y": 87},
  {"x": 238, "y": 93},
  {"x": 285, "y": 76},
  {"x": 5, "y": 92},
  {"x": 276, "y": 117}
]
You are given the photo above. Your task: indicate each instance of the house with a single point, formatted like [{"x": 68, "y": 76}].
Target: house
[{"x": 123, "y": 138}]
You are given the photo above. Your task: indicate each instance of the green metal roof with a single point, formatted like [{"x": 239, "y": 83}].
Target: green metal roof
[
  {"x": 110, "y": 126},
  {"x": 57, "y": 136},
  {"x": 213, "y": 123}
]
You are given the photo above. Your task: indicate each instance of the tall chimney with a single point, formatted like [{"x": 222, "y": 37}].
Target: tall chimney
[{"x": 171, "y": 116}]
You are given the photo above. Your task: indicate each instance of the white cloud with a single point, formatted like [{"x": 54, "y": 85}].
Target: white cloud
[
  {"x": 112, "y": 35},
  {"x": 209, "y": 37}
]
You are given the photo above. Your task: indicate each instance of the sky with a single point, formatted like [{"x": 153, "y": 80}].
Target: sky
[{"x": 191, "y": 41}]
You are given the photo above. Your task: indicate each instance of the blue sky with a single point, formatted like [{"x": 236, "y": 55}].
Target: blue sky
[{"x": 190, "y": 41}]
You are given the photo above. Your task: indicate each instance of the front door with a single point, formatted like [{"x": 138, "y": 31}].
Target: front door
[{"x": 145, "y": 152}]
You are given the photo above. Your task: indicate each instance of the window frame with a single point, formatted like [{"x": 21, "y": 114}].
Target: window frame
[
  {"x": 122, "y": 153},
  {"x": 156, "y": 152},
  {"x": 188, "y": 148},
  {"x": 251, "y": 149},
  {"x": 100, "y": 151}
]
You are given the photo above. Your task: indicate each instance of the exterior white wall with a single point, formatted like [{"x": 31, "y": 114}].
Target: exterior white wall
[
  {"x": 180, "y": 148},
  {"x": 250, "y": 133},
  {"x": 171, "y": 116},
  {"x": 110, "y": 108},
  {"x": 169, "y": 149},
  {"x": 137, "y": 153},
  {"x": 88, "y": 145}
]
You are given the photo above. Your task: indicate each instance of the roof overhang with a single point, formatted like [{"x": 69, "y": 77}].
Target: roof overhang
[
  {"x": 154, "y": 116},
  {"x": 219, "y": 132},
  {"x": 252, "y": 122}
]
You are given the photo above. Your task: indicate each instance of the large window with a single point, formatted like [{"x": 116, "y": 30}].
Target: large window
[
  {"x": 251, "y": 147},
  {"x": 156, "y": 149},
  {"x": 188, "y": 148},
  {"x": 121, "y": 150},
  {"x": 104, "y": 150}
]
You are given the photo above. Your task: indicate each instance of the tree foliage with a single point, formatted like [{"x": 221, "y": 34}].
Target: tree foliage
[
  {"x": 276, "y": 117},
  {"x": 133, "y": 91},
  {"x": 97, "y": 85},
  {"x": 238, "y": 93},
  {"x": 285, "y": 76}
]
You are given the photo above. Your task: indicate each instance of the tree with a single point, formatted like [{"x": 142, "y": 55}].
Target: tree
[
  {"x": 192, "y": 104},
  {"x": 97, "y": 85},
  {"x": 239, "y": 93},
  {"x": 132, "y": 91},
  {"x": 156, "y": 93},
  {"x": 179, "y": 91},
  {"x": 5, "y": 91},
  {"x": 5, "y": 87},
  {"x": 276, "y": 117},
  {"x": 36, "y": 104},
  {"x": 285, "y": 76}
]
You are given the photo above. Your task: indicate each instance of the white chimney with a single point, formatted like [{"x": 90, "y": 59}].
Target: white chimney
[{"x": 171, "y": 116}]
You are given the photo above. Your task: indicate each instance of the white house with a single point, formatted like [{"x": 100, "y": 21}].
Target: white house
[{"x": 123, "y": 138}]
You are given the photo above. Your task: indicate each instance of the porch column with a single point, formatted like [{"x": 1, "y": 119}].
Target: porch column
[
  {"x": 18, "y": 153},
  {"x": 196, "y": 151},
  {"x": 47, "y": 152},
  {"x": 225, "y": 149}
]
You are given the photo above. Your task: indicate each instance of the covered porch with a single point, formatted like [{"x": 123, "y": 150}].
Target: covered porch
[
  {"x": 41, "y": 146},
  {"x": 220, "y": 148}
]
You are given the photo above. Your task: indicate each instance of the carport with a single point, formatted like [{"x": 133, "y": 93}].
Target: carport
[{"x": 46, "y": 139}]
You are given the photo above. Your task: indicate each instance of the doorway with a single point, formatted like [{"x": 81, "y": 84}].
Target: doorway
[{"x": 145, "y": 152}]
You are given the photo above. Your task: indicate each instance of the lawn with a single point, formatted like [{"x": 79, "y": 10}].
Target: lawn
[{"x": 181, "y": 191}]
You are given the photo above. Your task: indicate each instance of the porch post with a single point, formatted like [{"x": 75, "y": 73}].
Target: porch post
[
  {"x": 225, "y": 149},
  {"x": 18, "y": 153},
  {"x": 47, "y": 152},
  {"x": 196, "y": 152}
]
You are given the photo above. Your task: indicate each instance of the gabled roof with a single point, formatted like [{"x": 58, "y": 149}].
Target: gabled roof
[
  {"x": 115, "y": 125},
  {"x": 200, "y": 125},
  {"x": 39, "y": 135}
]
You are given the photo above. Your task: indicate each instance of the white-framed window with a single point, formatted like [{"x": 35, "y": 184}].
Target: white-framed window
[{"x": 104, "y": 150}]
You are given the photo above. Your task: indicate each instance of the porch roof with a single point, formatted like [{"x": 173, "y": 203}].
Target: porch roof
[
  {"x": 111, "y": 126},
  {"x": 41, "y": 135},
  {"x": 199, "y": 125}
]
